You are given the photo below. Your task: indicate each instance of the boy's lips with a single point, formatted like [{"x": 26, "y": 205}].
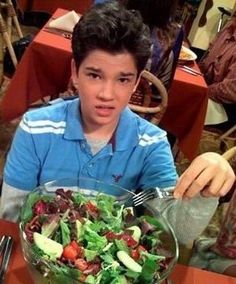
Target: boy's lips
[{"x": 103, "y": 110}]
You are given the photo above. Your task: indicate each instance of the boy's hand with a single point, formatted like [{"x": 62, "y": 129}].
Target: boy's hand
[{"x": 209, "y": 174}]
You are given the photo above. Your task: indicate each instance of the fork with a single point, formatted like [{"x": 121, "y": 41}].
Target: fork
[
  {"x": 152, "y": 193},
  {"x": 6, "y": 243},
  {"x": 62, "y": 33}
]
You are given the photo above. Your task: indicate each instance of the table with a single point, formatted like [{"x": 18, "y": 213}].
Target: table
[
  {"x": 50, "y": 6},
  {"x": 17, "y": 272},
  {"x": 186, "y": 110},
  {"x": 44, "y": 70}
]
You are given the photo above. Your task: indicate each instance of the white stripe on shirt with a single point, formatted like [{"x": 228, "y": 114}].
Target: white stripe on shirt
[
  {"x": 43, "y": 123},
  {"x": 145, "y": 139},
  {"x": 43, "y": 126}
]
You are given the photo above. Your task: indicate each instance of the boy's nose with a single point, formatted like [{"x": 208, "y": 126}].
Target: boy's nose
[{"x": 107, "y": 92}]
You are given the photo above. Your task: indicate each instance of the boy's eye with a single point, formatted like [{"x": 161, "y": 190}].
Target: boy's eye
[
  {"x": 93, "y": 75},
  {"x": 124, "y": 80}
]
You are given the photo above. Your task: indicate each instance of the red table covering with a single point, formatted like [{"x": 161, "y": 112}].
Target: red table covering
[
  {"x": 17, "y": 272},
  {"x": 186, "y": 110},
  {"x": 50, "y": 6},
  {"x": 44, "y": 70}
]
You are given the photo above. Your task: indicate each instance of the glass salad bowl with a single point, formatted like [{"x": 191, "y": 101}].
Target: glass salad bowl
[{"x": 87, "y": 231}]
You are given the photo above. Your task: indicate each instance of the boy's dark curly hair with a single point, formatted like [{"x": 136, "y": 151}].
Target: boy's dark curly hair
[{"x": 112, "y": 28}]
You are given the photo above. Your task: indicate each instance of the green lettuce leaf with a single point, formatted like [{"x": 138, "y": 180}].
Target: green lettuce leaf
[
  {"x": 94, "y": 241},
  {"x": 65, "y": 233}
]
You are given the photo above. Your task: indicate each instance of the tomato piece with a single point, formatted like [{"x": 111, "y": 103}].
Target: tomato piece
[
  {"x": 81, "y": 264},
  {"x": 69, "y": 252},
  {"x": 90, "y": 206},
  {"x": 135, "y": 254},
  {"x": 74, "y": 244},
  {"x": 79, "y": 249},
  {"x": 129, "y": 240},
  {"x": 111, "y": 236}
]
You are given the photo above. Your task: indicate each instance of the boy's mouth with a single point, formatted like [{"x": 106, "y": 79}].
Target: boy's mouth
[{"x": 104, "y": 110}]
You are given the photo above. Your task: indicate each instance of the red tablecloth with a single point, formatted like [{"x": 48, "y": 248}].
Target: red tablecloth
[
  {"x": 44, "y": 70},
  {"x": 186, "y": 110},
  {"x": 17, "y": 272},
  {"x": 50, "y": 6}
]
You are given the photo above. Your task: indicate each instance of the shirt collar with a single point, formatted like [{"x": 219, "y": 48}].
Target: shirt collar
[
  {"x": 125, "y": 136},
  {"x": 74, "y": 130}
]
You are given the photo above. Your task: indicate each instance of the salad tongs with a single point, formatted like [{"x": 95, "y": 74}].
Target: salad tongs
[{"x": 6, "y": 243}]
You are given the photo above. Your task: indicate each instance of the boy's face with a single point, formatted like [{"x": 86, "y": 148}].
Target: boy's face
[{"x": 105, "y": 83}]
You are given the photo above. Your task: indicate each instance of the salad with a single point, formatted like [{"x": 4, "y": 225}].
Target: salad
[{"x": 96, "y": 241}]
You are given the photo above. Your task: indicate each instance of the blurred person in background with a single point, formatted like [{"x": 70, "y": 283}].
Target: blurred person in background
[
  {"x": 219, "y": 68},
  {"x": 166, "y": 35}
]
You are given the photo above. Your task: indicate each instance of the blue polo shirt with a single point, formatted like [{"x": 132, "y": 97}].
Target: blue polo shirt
[{"x": 49, "y": 144}]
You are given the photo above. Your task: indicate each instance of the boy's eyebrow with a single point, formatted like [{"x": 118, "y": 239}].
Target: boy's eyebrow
[
  {"x": 93, "y": 69},
  {"x": 97, "y": 70},
  {"x": 129, "y": 74}
]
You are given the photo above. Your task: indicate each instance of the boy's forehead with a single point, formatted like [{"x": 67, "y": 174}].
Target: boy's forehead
[{"x": 105, "y": 58}]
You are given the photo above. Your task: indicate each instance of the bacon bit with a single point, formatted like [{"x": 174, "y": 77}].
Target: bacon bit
[
  {"x": 75, "y": 215},
  {"x": 53, "y": 208},
  {"x": 93, "y": 268},
  {"x": 64, "y": 194},
  {"x": 92, "y": 210},
  {"x": 81, "y": 264},
  {"x": 31, "y": 227}
]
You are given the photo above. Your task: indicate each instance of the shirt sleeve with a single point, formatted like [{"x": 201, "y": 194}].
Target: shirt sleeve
[
  {"x": 22, "y": 165},
  {"x": 188, "y": 218},
  {"x": 11, "y": 201},
  {"x": 224, "y": 91},
  {"x": 159, "y": 169}
]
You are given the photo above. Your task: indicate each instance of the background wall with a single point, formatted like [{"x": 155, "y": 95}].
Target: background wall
[{"x": 200, "y": 37}]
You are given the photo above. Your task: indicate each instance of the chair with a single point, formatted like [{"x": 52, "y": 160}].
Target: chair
[
  {"x": 230, "y": 154},
  {"x": 11, "y": 18},
  {"x": 225, "y": 11},
  {"x": 144, "y": 103},
  {"x": 7, "y": 16}
]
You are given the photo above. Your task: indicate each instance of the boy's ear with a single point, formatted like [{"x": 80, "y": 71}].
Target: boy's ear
[
  {"x": 137, "y": 82},
  {"x": 74, "y": 72}
]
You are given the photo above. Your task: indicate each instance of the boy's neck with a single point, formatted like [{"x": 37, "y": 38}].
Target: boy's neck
[{"x": 99, "y": 132}]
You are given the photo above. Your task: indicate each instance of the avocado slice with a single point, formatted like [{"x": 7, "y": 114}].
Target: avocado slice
[
  {"x": 136, "y": 232},
  {"x": 128, "y": 261},
  {"x": 49, "y": 247},
  {"x": 78, "y": 226}
]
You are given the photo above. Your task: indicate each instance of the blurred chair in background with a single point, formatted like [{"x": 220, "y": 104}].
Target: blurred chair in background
[
  {"x": 225, "y": 11},
  {"x": 142, "y": 101},
  {"x": 7, "y": 16}
]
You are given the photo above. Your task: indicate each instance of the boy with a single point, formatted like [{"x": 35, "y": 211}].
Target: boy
[{"x": 95, "y": 136}]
